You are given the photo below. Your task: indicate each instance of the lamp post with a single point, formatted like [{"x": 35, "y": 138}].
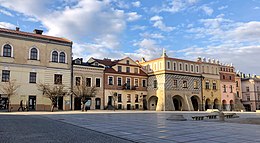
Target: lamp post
[{"x": 253, "y": 82}]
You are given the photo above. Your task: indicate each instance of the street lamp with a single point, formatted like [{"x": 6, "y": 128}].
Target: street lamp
[{"x": 253, "y": 82}]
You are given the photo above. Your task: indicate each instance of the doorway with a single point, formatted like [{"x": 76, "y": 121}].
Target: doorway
[
  {"x": 110, "y": 99},
  {"x": 77, "y": 103},
  {"x": 60, "y": 103},
  {"x": 97, "y": 103},
  {"x": 32, "y": 102},
  {"x": 195, "y": 103}
]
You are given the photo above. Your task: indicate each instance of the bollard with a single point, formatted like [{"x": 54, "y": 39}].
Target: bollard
[{"x": 221, "y": 116}]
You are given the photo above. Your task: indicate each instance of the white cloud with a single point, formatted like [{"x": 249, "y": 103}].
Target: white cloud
[
  {"x": 175, "y": 6},
  {"x": 132, "y": 16},
  {"x": 138, "y": 27},
  {"x": 223, "y": 7},
  {"x": 147, "y": 35},
  {"x": 207, "y": 10},
  {"x": 6, "y": 12},
  {"x": 136, "y": 4},
  {"x": 7, "y": 25},
  {"x": 158, "y": 23},
  {"x": 256, "y": 7}
]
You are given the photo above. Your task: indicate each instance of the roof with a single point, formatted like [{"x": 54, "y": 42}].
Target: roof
[
  {"x": 40, "y": 36},
  {"x": 107, "y": 62}
]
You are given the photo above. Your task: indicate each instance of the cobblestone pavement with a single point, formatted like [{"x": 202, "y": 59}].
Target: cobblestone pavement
[{"x": 153, "y": 127}]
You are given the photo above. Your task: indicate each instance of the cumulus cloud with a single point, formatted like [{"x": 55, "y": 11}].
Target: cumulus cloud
[
  {"x": 207, "y": 10},
  {"x": 138, "y": 27},
  {"x": 158, "y": 23},
  {"x": 152, "y": 35},
  {"x": 174, "y": 6},
  {"x": 132, "y": 16},
  {"x": 7, "y": 25}
]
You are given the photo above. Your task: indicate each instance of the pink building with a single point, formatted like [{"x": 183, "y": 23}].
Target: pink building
[{"x": 228, "y": 87}]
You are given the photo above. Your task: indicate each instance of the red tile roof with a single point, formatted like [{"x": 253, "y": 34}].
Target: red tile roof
[
  {"x": 107, "y": 62},
  {"x": 35, "y": 35}
]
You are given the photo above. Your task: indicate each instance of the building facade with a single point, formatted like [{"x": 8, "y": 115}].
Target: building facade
[
  {"x": 173, "y": 84},
  {"x": 210, "y": 83},
  {"x": 31, "y": 59},
  {"x": 85, "y": 77},
  {"x": 125, "y": 84},
  {"x": 228, "y": 87},
  {"x": 250, "y": 92}
]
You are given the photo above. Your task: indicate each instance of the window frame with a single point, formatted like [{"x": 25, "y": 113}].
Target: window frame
[
  {"x": 52, "y": 57},
  {"x": 112, "y": 83},
  {"x": 11, "y": 50},
  {"x": 56, "y": 81},
  {"x": 99, "y": 82},
  {"x": 62, "y": 57},
  {"x": 121, "y": 82},
  {"x": 32, "y": 79},
  {"x": 90, "y": 82},
  {"x": 6, "y": 75}
]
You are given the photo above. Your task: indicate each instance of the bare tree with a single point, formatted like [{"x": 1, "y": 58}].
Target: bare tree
[
  {"x": 83, "y": 92},
  {"x": 9, "y": 88},
  {"x": 53, "y": 92}
]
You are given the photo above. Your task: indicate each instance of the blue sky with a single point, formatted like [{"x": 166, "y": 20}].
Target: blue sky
[{"x": 228, "y": 30}]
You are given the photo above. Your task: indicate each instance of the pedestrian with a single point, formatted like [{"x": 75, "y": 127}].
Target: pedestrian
[{"x": 21, "y": 106}]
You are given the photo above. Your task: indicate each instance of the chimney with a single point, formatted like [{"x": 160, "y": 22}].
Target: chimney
[
  {"x": 37, "y": 31},
  {"x": 17, "y": 28}
]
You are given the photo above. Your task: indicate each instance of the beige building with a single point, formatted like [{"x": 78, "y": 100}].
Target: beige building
[
  {"x": 30, "y": 59},
  {"x": 125, "y": 84},
  {"x": 173, "y": 84},
  {"x": 210, "y": 83},
  {"x": 90, "y": 75}
]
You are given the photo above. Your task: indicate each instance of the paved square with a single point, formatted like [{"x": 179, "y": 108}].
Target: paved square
[{"x": 153, "y": 127}]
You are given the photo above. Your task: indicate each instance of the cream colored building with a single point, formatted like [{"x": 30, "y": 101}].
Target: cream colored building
[
  {"x": 210, "y": 83},
  {"x": 90, "y": 75},
  {"x": 30, "y": 59},
  {"x": 173, "y": 84}
]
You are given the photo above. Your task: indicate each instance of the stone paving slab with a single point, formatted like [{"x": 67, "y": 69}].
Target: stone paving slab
[{"x": 153, "y": 127}]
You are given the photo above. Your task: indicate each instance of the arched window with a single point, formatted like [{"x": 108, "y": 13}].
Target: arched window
[
  {"x": 7, "y": 50},
  {"x": 54, "y": 56},
  {"x": 62, "y": 57},
  {"x": 33, "y": 54}
]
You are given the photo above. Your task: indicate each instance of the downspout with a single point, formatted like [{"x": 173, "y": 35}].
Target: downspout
[{"x": 71, "y": 79}]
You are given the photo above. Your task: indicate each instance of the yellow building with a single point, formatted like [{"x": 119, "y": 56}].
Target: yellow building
[
  {"x": 173, "y": 84},
  {"x": 210, "y": 83},
  {"x": 30, "y": 59}
]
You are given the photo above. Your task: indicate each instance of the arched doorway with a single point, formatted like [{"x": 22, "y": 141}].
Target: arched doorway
[
  {"x": 153, "y": 102},
  {"x": 207, "y": 104},
  {"x": 231, "y": 102},
  {"x": 97, "y": 103},
  {"x": 195, "y": 102},
  {"x": 224, "y": 105},
  {"x": 215, "y": 106},
  {"x": 177, "y": 102}
]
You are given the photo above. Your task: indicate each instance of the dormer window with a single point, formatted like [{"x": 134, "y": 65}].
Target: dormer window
[
  {"x": 78, "y": 61},
  {"x": 96, "y": 64},
  {"x": 127, "y": 62}
]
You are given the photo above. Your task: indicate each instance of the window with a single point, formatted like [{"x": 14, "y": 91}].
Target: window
[
  {"x": 5, "y": 75},
  {"x": 119, "y": 68},
  {"x": 32, "y": 78},
  {"x": 136, "y": 98},
  {"x": 119, "y": 97},
  {"x": 185, "y": 84},
  {"x": 128, "y": 83},
  {"x": 247, "y": 89},
  {"x": 78, "y": 81},
  {"x": 231, "y": 89},
  {"x": 248, "y": 98},
  {"x": 214, "y": 86},
  {"x": 225, "y": 89},
  {"x": 155, "y": 67},
  {"x": 212, "y": 70},
  {"x": 128, "y": 97},
  {"x": 98, "y": 82},
  {"x": 155, "y": 84},
  {"x": 230, "y": 78},
  {"x": 144, "y": 83},
  {"x": 168, "y": 65},
  {"x": 224, "y": 77},
  {"x": 195, "y": 84},
  {"x": 119, "y": 81},
  {"x": 191, "y": 68},
  {"x": 186, "y": 67},
  {"x": 136, "y": 82},
  {"x": 88, "y": 82},
  {"x": 180, "y": 65},
  {"x": 160, "y": 66},
  {"x": 62, "y": 57},
  {"x": 55, "y": 56},
  {"x": 136, "y": 70},
  {"x": 197, "y": 69},
  {"x": 7, "y": 50},
  {"x": 127, "y": 62},
  {"x": 33, "y": 54},
  {"x": 128, "y": 69},
  {"x": 236, "y": 83},
  {"x": 175, "y": 83},
  {"x": 207, "y": 85},
  {"x": 174, "y": 66},
  {"x": 57, "y": 79},
  {"x": 207, "y": 69},
  {"x": 119, "y": 106},
  {"x": 202, "y": 67}
]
